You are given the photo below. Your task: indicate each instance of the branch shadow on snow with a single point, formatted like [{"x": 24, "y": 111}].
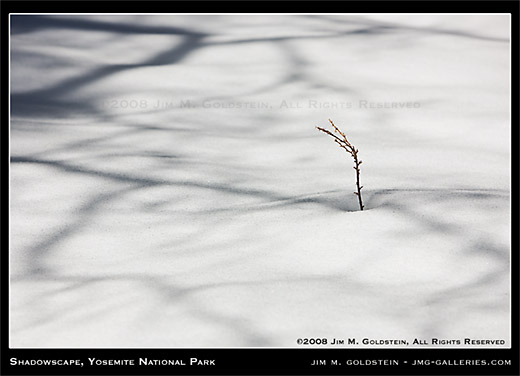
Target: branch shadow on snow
[{"x": 55, "y": 97}]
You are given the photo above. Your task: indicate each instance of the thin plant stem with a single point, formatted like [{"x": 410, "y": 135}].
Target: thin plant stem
[{"x": 344, "y": 143}]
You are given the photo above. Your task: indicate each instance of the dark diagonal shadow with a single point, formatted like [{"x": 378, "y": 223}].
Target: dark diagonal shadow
[
  {"x": 399, "y": 27},
  {"x": 21, "y": 24},
  {"x": 40, "y": 101}
]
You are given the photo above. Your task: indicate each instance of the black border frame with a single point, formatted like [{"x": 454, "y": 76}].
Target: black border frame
[{"x": 260, "y": 361}]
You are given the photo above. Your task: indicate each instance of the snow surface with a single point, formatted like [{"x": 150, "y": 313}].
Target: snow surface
[{"x": 232, "y": 222}]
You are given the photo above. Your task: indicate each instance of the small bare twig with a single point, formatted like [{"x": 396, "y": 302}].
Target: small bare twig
[{"x": 349, "y": 148}]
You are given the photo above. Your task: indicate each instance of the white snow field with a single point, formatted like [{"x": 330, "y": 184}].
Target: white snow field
[{"x": 169, "y": 188}]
